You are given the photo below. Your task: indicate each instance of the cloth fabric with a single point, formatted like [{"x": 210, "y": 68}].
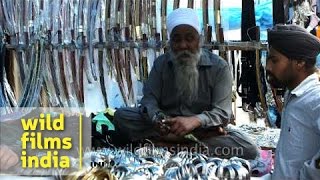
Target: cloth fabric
[
  {"x": 294, "y": 42},
  {"x": 262, "y": 165},
  {"x": 132, "y": 122},
  {"x": 213, "y": 106},
  {"x": 314, "y": 19},
  {"x": 300, "y": 131},
  {"x": 181, "y": 16},
  {"x": 310, "y": 170}
]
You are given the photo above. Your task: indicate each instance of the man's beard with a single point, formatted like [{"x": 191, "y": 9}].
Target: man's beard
[
  {"x": 273, "y": 81},
  {"x": 288, "y": 77},
  {"x": 186, "y": 75}
]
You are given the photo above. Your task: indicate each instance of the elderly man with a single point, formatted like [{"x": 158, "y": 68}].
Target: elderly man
[
  {"x": 291, "y": 62},
  {"x": 188, "y": 91}
]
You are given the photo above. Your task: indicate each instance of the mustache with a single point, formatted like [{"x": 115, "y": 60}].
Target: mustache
[
  {"x": 273, "y": 81},
  {"x": 269, "y": 74},
  {"x": 184, "y": 54},
  {"x": 270, "y": 77},
  {"x": 186, "y": 58}
]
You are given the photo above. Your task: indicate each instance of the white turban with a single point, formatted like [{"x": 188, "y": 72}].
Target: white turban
[{"x": 183, "y": 16}]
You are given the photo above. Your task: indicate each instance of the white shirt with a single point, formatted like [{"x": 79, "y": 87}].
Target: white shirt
[{"x": 299, "y": 143}]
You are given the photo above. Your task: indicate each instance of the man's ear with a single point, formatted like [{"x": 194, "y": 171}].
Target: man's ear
[{"x": 300, "y": 64}]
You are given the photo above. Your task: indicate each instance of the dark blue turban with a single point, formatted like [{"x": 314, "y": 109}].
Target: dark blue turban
[{"x": 294, "y": 42}]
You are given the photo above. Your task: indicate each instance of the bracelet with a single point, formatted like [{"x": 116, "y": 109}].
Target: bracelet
[{"x": 155, "y": 116}]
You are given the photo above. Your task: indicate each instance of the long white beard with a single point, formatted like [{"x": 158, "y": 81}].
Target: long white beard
[{"x": 186, "y": 75}]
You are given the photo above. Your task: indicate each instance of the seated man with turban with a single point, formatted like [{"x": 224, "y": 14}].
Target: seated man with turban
[
  {"x": 188, "y": 92},
  {"x": 291, "y": 62}
]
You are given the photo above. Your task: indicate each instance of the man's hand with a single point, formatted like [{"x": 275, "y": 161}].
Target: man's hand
[
  {"x": 162, "y": 128},
  {"x": 181, "y": 126},
  {"x": 8, "y": 158}
]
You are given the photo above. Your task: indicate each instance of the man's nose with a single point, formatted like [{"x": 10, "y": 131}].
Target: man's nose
[
  {"x": 183, "y": 45},
  {"x": 269, "y": 70},
  {"x": 268, "y": 67}
]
